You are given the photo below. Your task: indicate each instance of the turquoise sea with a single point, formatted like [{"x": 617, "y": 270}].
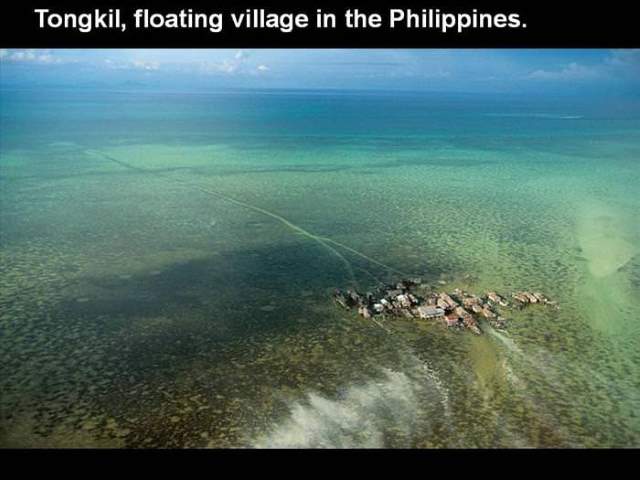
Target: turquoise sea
[{"x": 162, "y": 282}]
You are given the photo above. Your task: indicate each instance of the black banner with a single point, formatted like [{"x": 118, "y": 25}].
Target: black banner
[{"x": 309, "y": 24}]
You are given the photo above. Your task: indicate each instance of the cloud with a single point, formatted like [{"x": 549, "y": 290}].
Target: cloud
[
  {"x": 627, "y": 59},
  {"x": 379, "y": 69},
  {"x": 573, "y": 71},
  {"x": 145, "y": 65},
  {"x": 241, "y": 55},
  {"x": 236, "y": 63},
  {"x": 618, "y": 63},
  {"x": 43, "y": 57},
  {"x": 112, "y": 64},
  {"x": 230, "y": 66},
  {"x": 225, "y": 66}
]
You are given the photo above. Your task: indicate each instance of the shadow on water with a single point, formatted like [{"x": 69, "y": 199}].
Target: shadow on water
[{"x": 149, "y": 358}]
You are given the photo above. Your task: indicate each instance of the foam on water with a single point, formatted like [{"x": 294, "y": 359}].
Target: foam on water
[{"x": 363, "y": 417}]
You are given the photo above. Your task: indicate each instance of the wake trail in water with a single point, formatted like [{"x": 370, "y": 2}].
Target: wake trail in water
[
  {"x": 506, "y": 341},
  {"x": 538, "y": 361},
  {"x": 371, "y": 275},
  {"x": 360, "y": 254},
  {"x": 325, "y": 242},
  {"x": 284, "y": 221}
]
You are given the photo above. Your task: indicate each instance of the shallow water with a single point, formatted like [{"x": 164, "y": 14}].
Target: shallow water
[{"x": 166, "y": 269}]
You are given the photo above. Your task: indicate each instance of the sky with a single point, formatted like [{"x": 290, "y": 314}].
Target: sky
[{"x": 459, "y": 70}]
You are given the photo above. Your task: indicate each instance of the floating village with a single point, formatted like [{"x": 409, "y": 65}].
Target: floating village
[{"x": 456, "y": 309}]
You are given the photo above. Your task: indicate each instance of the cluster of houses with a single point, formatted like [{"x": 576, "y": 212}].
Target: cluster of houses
[{"x": 457, "y": 309}]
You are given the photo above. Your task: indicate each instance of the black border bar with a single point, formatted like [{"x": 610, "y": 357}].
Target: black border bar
[{"x": 613, "y": 24}]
